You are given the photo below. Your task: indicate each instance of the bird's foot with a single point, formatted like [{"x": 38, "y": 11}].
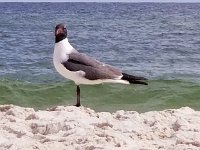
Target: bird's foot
[{"x": 77, "y": 105}]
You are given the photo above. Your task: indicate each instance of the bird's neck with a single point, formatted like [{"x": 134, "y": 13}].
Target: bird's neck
[{"x": 64, "y": 45}]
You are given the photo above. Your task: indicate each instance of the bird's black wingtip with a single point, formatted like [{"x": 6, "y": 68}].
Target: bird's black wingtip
[
  {"x": 134, "y": 79},
  {"x": 138, "y": 82}
]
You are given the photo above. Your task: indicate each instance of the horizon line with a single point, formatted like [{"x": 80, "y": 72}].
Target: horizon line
[{"x": 92, "y": 2}]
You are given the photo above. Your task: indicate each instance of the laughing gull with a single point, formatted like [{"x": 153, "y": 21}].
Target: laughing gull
[{"x": 83, "y": 69}]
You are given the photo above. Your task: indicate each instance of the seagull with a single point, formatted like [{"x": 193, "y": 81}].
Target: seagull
[{"x": 83, "y": 69}]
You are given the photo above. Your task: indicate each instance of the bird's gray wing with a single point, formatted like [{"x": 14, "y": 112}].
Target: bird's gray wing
[{"x": 93, "y": 69}]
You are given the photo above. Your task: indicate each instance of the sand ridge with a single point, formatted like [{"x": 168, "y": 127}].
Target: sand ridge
[{"x": 69, "y": 127}]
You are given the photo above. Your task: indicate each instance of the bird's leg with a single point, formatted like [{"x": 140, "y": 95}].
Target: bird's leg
[{"x": 78, "y": 96}]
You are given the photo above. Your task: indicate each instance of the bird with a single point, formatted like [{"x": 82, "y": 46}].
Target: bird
[{"x": 84, "y": 69}]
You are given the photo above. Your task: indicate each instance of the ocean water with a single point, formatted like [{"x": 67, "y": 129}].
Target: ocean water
[{"x": 155, "y": 40}]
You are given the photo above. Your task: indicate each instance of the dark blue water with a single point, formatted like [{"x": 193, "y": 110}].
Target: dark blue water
[{"x": 155, "y": 40}]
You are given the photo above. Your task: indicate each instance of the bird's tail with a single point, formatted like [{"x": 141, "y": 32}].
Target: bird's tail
[{"x": 134, "y": 79}]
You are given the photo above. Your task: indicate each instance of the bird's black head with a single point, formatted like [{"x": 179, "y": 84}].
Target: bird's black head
[{"x": 60, "y": 33}]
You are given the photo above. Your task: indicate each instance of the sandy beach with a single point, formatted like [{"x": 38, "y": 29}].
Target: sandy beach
[{"x": 69, "y": 127}]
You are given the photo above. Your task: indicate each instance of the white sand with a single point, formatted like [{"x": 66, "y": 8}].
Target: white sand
[{"x": 68, "y": 128}]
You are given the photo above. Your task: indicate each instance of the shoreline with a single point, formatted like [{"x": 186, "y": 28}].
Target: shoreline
[{"x": 69, "y": 127}]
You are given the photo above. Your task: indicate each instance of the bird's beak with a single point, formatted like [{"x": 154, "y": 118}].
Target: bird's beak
[{"x": 58, "y": 31}]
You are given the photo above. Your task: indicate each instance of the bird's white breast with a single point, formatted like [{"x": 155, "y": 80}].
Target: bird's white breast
[{"x": 61, "y": 51}]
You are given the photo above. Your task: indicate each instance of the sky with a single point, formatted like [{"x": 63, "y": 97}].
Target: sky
[{"x": 177, "y": 1}]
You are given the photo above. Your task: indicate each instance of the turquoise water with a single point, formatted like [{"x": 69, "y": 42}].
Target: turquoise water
[
  {"x": 158, "y": 41},
  {"x": 158, "y": 95}
]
